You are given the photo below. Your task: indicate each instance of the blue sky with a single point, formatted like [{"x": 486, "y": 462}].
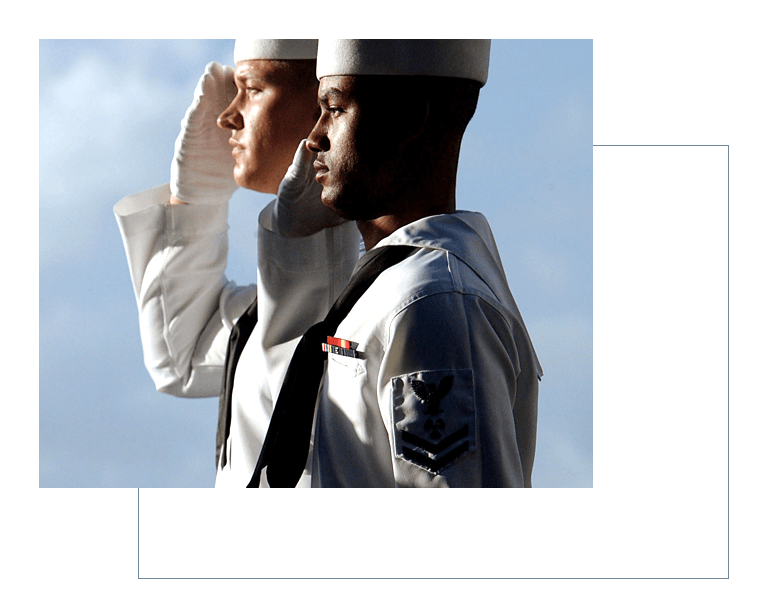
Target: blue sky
[{"x": 108, "y": 115}]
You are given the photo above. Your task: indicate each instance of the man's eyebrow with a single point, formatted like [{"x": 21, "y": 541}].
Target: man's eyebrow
[
  {"x": 243, "y": 76},
  {"x": 330, "y": 94}
]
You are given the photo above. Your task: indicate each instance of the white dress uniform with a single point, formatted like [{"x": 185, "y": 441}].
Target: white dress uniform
[
  {"x": 187, "y": 308},
  {"x": 431, "y": 379},
  {"x": 442, "y": 390}
]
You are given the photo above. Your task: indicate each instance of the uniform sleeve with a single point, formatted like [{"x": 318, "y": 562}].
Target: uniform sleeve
[
  {"x": 449, "y": 380},
  {"x": 177, "y": 256}
]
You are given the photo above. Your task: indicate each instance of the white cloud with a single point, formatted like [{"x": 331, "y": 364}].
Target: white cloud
[
  {"x": 93, "y": 114},
  {"x": 109, "y": 113},
  {"x": 101, "y": 127}
]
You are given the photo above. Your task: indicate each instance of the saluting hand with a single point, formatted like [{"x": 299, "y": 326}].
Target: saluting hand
[
  {"x": 202, "y": 168},
  {"x": 297, "y": 210}
]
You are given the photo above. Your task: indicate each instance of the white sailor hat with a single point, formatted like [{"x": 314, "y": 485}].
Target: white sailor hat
[
  {"x": 247, "y": 50},
  {"x": 448, "y": 58}
]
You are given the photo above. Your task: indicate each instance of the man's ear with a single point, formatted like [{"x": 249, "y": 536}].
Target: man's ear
[{"x": 416, "y": 119}]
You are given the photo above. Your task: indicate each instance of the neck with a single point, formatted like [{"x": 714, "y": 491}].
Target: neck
[
  {"x": 428, "y": 189},
  {"x": 408, "y": 209}
]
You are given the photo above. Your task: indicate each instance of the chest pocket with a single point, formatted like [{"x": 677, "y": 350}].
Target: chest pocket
[
  {"x": 345, "y": 367},
  {"x": 346, "y": 387},
  {"x": 349, "y": 403}
]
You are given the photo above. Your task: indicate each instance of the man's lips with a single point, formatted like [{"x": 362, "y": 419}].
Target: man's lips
[
  {"x": 237, "y": 146},
  {"x": 320, "y": 169}
]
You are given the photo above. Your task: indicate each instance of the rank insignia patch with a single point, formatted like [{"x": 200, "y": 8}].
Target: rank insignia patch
[{"x": 434, "y": 416}]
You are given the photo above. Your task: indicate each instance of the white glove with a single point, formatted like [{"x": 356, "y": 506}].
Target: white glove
[
  {"x": 297, "y": 211},
  {"x": 202, "y": 168}
]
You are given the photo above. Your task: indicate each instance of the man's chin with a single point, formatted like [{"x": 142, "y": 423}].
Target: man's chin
[
  {"x": 333, "y": 204},
  {"x": 255, "y": 184},
  {"x": 353, "y": 207}
]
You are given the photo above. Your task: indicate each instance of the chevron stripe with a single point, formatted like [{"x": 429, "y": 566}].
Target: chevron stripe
[
  {"x": 433, "y": 459},
  {"x": 436, "y": 464},
  {"x": 432, "y": 447}
]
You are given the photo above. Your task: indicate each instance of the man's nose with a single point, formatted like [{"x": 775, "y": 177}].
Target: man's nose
[
  {"x": 317, "y": 141},
  {"x": 230, "y": 119}
]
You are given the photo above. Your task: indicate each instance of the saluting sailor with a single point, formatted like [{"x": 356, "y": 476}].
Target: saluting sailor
[
  {"x": 431, "y": 379},
  {"x": 244, "y": 127},
  {"x": 443, "y": 391}
]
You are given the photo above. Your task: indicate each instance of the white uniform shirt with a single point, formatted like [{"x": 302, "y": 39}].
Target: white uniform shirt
[
  {"x": 444, "y": 392},
  {"x": 444, "y": 389}
]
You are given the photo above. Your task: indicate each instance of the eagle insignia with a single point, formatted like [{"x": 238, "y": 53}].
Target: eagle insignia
[{"x": 434, "y": 416}]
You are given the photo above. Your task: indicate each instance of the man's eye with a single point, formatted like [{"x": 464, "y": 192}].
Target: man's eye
[
  {"x": 335, "y": 110},
  {"x": 250, "y": 87}
]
